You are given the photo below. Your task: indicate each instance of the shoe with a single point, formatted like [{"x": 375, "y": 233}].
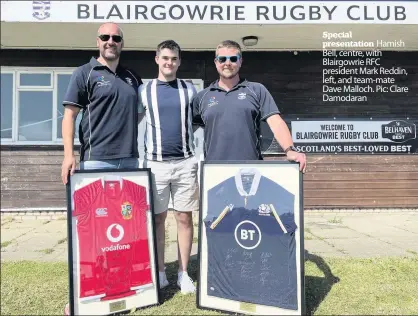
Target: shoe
[
  {"x": 67, "y": 309},
  {"x": 163, "y": 280},
  {"x": 185, "y": 283}
]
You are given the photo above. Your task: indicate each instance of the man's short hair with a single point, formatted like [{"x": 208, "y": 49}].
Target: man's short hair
[
  {"x": 229, "y": 44},
  {"x": 169, "y": 44},
  {"x": 117, "y": 25}
]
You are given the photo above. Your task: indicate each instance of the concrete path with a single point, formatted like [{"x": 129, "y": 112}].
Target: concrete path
[
  {"x": 326, "y": 234},
  {"x": 362, "y": 235}
]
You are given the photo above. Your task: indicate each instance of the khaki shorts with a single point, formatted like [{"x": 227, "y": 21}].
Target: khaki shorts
[{"x": 175, "y": 178}]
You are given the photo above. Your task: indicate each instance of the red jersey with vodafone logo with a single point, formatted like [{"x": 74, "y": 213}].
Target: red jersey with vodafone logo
[{"x": 112, "y": 239}]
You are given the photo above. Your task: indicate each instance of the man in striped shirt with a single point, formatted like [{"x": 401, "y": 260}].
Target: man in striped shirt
[{"x": 169, "y": 152}]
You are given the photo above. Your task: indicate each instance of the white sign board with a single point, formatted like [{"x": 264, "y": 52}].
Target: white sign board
[
  {"x": 356, "y": 136},
  {"x": 213, "y": 12}
]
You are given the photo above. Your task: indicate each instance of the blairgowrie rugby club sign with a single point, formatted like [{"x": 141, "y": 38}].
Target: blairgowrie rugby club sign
[{"x": 212, "y": 12}]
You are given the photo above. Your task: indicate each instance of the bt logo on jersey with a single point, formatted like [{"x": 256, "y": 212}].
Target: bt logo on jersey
[
  {"x": 116, "y": 238},
  {"x": 247, "y": 235}
]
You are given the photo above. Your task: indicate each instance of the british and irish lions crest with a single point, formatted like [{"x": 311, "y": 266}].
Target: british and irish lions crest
[
  {"x": 41, "y": 9},
  {"x": 126, "y": 210}
]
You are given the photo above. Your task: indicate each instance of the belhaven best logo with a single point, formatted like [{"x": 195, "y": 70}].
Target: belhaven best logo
[{"x": 399, "y": 131}]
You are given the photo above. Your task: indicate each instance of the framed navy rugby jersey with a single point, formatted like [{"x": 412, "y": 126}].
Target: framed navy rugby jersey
[{"x": 250, "y": 234}]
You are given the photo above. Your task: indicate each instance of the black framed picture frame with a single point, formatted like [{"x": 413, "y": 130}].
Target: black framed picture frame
[
  {"x": 112, "y": 252},
  {"x": 251, "y": 249}
]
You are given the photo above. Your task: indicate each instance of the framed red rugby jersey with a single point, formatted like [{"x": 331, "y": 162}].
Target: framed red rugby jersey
[{"x": 114, "y": 246}]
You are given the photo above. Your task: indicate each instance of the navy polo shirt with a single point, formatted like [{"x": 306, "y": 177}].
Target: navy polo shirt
[
  {"x": 231, "y": 119},
  {"x": 109, "y": 100}
]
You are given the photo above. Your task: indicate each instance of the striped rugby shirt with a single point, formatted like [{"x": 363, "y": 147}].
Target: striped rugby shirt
[{"x": 169, "y": 132}]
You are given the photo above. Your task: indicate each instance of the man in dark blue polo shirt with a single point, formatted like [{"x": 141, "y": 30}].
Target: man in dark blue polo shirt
[
  {"x": 231, "y": 109},
  {"x": 107, "y": 95}
]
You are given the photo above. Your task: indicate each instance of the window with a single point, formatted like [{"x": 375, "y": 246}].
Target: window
[
  {"x": 63, "y": 82},
  {"x": 31, "y": 105},
  {"x": 30, "y": 79},
  {"x": 7, "y": 88},
  {"x": 35, "y": 115}
]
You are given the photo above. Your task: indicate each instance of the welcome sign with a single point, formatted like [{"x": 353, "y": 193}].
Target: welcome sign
[{"x": 356, "y": 136}]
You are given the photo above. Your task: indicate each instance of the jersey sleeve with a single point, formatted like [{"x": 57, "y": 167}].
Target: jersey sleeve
[
  {"x": 135, "y": 77},
  {"x": 217, "y": 201},
  {"x": 191, "y": 90},
  {"x": 139, "y": 193},
  {"x": 196, "y": 106},
  {"x": 142, "y": 98},
  {"x": 76, "y": 93},
  {"x": 141, "y": 196},
  {"x": 283, "y": 203},
  {"x": 83, "y": 198},
  {"x": 268, "y": 106}
]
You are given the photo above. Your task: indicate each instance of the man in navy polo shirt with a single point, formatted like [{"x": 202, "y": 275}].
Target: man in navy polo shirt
[
  {"x": 107, "y": 95},
  {"x": 169, "y": 152},
  {"x": 231, "y": 110}
]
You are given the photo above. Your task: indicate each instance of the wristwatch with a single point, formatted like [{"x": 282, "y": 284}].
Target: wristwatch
[{"x": 293, "y": 148}]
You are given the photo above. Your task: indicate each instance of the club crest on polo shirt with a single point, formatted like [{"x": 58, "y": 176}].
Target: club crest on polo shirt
[
  {"x": 212, "y": 101},
  {"x": 242, "y": 96},
  {"x": 264, "y": 210},
  {"x": 126, "y": 210},
  {"x": 129, "y": 81},
  {"x": 102, "y": 82}
]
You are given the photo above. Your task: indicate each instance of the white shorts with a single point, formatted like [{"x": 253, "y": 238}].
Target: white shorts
[{"x": 177, "y": 178}]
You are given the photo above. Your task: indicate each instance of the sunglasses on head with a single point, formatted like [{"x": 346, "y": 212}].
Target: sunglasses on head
[
  {"x": 223, "y": 59},
  {"x": 106, "y": 37}
]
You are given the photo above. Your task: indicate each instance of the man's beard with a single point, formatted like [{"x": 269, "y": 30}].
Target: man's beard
[
  {"x": 231, "y": 75},
  {"x": 110, "y": 55}
]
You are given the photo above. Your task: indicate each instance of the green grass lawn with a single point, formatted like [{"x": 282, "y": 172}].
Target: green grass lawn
[{"x": 333, "y": 287}]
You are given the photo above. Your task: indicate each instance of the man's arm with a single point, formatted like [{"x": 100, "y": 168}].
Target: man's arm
[
  {"x": 75, "y": 99},
  {"x": 197, "y": 120},
  {"x": 280, "y": 131},
  {"x": 139, "y": 83},
  {"x": 68, "y": 122},
  {"x": 141, "y": 117},
  {"x": 196, "y": 127},
  {"x": 282, "y": 134},
  {"x": 271, "y": 114},
  {"x": 142, "y": 113},
  {"x": 194, "y": 106},
  {"x": 142, "y": 101}
]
